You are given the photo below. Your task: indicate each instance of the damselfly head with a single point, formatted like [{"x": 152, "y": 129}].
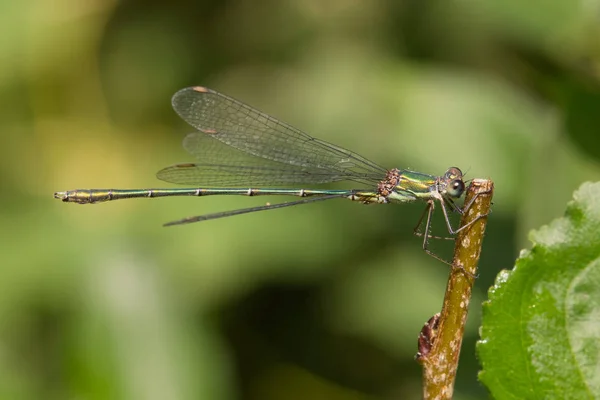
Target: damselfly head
[{"x": 453, "y": 181}]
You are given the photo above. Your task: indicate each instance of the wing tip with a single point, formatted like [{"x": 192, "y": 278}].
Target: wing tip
[{"x": 198, "y": 89}]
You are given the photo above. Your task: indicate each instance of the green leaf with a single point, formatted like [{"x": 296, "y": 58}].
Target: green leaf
[{"x": 540, "y": 335}]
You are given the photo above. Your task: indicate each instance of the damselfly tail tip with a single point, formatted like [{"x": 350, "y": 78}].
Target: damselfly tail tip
[{"x": 61, "y": 196}]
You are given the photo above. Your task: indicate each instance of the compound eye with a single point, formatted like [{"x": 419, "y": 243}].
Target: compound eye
[
  {"x": 456, "y": 188},
  {"x": 453, "y": 173}
]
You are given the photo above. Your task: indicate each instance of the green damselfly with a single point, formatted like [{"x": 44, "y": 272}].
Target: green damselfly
[{"x": 241, "y": 149}]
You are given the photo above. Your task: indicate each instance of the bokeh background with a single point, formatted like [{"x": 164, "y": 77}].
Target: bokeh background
[{"x": 323, "y": 301}]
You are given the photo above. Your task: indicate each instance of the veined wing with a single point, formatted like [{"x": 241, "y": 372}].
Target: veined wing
[
  {"x": 251, "y": 131},
  {"x": 225, "y": 166}
]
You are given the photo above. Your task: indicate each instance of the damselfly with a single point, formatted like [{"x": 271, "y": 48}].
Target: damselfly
[{"x": 241, "y": 149}]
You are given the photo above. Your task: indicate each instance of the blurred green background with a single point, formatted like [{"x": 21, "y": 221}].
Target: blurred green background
[{"x": 323, "y": 301}]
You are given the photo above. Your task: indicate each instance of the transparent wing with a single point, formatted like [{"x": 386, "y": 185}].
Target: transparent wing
[
  {"x": 251, "y": 131},
  {"x": 225, "y": 166}
]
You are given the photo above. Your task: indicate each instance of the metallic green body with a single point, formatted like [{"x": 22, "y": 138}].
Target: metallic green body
[
  {"x": 413, "y": 186},
  {"x": 90, "y": 196},
  {"x": 237, "y": 145}
]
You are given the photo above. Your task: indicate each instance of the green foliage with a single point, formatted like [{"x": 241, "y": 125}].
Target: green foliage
[
  {"x": 540, "y": 336},
  {"x": 321, "y": 301}
]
